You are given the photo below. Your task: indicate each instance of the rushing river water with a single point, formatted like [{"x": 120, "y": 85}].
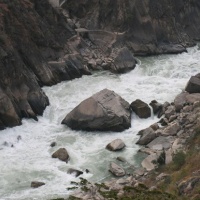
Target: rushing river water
[{"x": 157, "y": 77}]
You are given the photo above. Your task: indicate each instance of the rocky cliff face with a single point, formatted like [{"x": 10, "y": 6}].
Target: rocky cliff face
[
  {"x": 31, "y": 34},
  {"x": 39, "y": 44},
  {"x": 150, "y": 26}
]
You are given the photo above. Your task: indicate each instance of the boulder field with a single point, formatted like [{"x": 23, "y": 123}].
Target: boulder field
[{"x": 171, "y": 143}]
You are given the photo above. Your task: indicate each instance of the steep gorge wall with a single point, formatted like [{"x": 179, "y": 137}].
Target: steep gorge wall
[
  {"x": 151, "y": 26},
  {"x": 31, "y": 34}
]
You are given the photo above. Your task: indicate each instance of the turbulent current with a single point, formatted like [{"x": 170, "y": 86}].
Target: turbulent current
[{"x": 29, "y": 158}]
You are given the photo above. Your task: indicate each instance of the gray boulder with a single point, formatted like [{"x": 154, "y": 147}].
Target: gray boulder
[
  {"x": 180, "y": 101},
  {"x": 141, "y": 108},
  {"x": 116, "y": 170},
  {"x": 116, "y": 145},
  {"x": 104, "y": 111},
  {"x": 157, "y": 107},
  {"x": 193, "y": 86},
  {"x": 123, "y": 62},
  {"x": 159, "y": 143},
  {"x": 172, "y": 129},
  {"x": 61, "y": 154},
  {"x": 169, "y": 112},
  {"x": 147, "y": 135}
]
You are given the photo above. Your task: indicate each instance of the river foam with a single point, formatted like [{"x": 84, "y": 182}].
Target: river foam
[{"x": 157, "y": 77}]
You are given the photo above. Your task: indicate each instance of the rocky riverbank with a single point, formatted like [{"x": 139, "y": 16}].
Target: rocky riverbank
[{"x": 169, "y": 145}]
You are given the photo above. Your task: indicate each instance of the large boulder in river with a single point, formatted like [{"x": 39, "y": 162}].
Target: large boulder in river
[
  {"x": 124, "y": 61},
  {"x": 141, "y": 108},
  {"x": 193, "y": 86},
  {"x": 104, "y": 111}
]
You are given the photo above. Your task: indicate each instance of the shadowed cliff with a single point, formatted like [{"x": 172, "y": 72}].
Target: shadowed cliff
[
  {"x": 34, "y": 37},
  {"x": 31, "y": 34},
  {"x": 150, "y": 26}
]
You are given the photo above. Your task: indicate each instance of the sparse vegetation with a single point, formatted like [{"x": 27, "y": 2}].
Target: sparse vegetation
[{"x": 178, "y": 160}]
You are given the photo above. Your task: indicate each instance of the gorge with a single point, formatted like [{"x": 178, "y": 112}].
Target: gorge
[{"x": 42, "y": 45}]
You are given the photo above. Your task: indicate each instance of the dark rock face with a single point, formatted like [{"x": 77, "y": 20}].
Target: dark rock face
[
  {"x": 150, "y": 27},
  {"x": 34, "y": 37},
  {"x": 157, "y": 107},
  {"x": 104, "y": 111},
  {"x": 193, "y": 85},
  {"x": 124, "y": 61},
  {"x": 141, "y": 108},
  {"x": 29, "y": 38}
]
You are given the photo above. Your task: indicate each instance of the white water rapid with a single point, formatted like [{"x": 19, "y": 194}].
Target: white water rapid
[{"x": 158, "y": 77}]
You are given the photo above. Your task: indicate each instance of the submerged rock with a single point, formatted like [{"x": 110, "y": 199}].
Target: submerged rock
[{"x": 104, "y": 111}]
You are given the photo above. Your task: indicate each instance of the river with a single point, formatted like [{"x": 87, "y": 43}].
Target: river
[{"x": 29, "y": 159}]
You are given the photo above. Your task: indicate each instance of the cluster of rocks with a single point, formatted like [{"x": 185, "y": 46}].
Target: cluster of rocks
[
  {"x": 105, "y": 111},
  {"x": 170, "y": 134},
  {"x": 160, "y": 142}
]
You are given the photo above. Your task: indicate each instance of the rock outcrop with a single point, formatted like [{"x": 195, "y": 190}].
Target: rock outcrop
[
  {"x": 29, "y": 38},
  {"x": 104, "y": 111},
  {"x": 40, "y": 48},
  {"x": 149, "y": 27},
  {"x": 193, "y": 85}
]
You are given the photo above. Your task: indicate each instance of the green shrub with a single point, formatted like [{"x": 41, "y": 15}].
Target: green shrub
[{"x": 179, "y": 159}]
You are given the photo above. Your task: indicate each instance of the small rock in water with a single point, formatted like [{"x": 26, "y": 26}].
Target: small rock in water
[
  {"x": 116, "y": 145},
  {"x": 157, "y": 107},
  {"x": 19, "y": 137},
  {"x": 53, "y": 144},
  {"x": 121, "y": 159},
  {"x": 116, "y": 170},
  {"x": 61, "y": 154},
  {"x": 141, "y": 108},
  {"x": 75, "y": 172},
  {"x": 87, "y": 171},
  {"x": 5, "y": 143},
  {"x": 36, "y": 184}
]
